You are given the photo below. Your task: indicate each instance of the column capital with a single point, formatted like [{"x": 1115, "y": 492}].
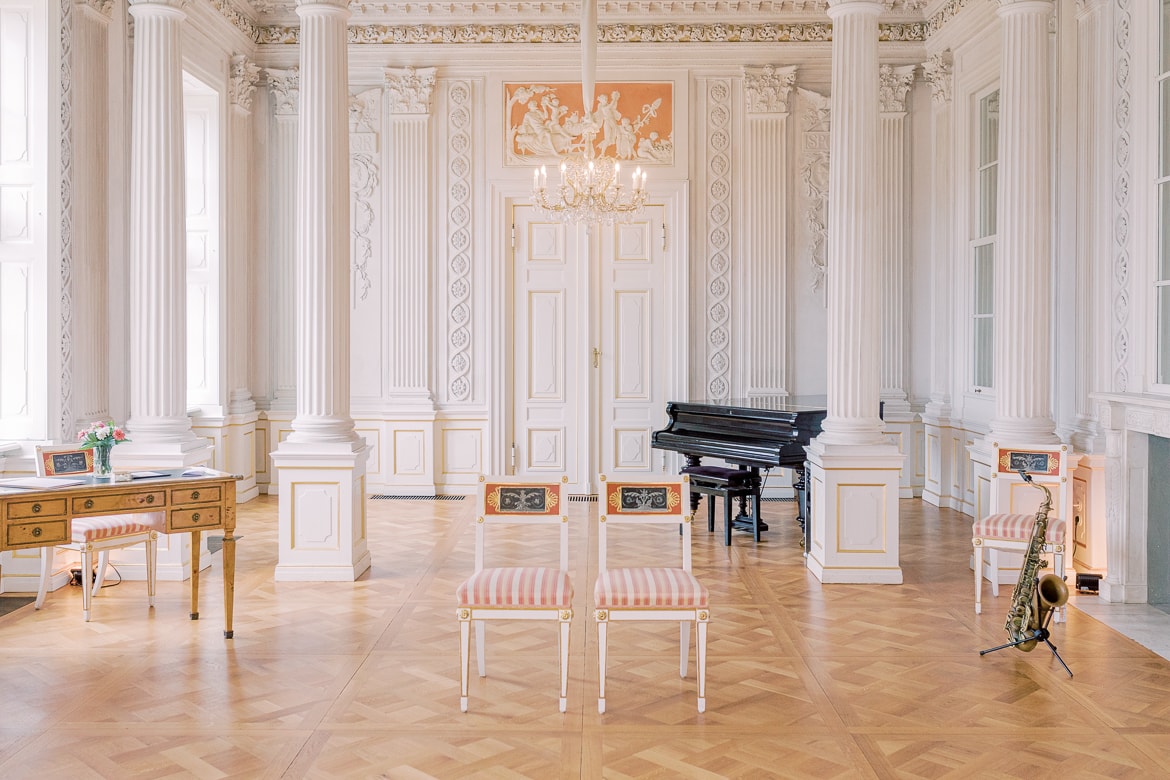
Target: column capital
[
  {"x": 286, "y": 90},
  {"x": 894, "y": 83},
  {"x": 245, "y": 76},
  {"x": 168, "y": 7},
  {"x": 767, "y": 88},
  {"x": 939, "y": 74},
  {"x": 410, "y": 89},
  {"x": 322, "y": 6},
  {"x": 841, "y": 7},
  {"x": 1009, "y": 7}
]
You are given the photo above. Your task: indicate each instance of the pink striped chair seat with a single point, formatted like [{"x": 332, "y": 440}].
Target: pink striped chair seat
[
  {"x": 95, "y": 529},
  {"x": 649, "y": 587},
  {"x": 1016, "y": 527},
  {"x": 518, "y": 586}
]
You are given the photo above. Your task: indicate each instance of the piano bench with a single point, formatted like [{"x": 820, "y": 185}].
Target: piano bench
[{"x": 730, "y": 484}]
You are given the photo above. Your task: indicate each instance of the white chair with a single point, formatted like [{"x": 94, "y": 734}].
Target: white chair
[
  {"x": 650, "y": 592},
  {"x": 516, "y": 592},
  {"x": 98, "y": 535},
  {"x": 1008, "y": 528}
]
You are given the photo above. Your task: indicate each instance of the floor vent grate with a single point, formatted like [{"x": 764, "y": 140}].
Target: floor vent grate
[
  {"x": 590, "y": 498},
  {"x": 419, "y": 498}
]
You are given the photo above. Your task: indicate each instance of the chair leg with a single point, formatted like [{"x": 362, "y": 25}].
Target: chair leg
[
  {"x": 701, "y": 661},
  {"x": 48, "y": 554},
  {"x": 993, "y": 562},
  {"x": 564, "y": 651},
  {"x": 86, "y": 568},
  {"x": 684, "y": 646},
  {"x": 978, "y": 580},
  {"x": 602, "y": 625},
  {"x": 480, "y": 645},
  {"x": 727, "y": 502},
  {"x": 100, "y": 580},
  {"x": 1061, "y": 614},
  {"x": 710, "y": 514},
  {"x": 464, "y": 660},
  {"x": 151, "y": 566}
]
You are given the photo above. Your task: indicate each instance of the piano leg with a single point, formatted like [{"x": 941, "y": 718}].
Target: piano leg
[{"x": 696, "y": 460}]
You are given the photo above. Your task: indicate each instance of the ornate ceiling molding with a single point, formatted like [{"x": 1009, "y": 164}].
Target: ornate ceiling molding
[{"x": 522, "y": 33}]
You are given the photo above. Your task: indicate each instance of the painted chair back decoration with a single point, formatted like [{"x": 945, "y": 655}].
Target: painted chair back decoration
[
  {"x": 1008, "y": 528},
  {"x": 99, "y": 535},
  {"x": 650, "y": 593},
  {"x": 530, "y": 592}
]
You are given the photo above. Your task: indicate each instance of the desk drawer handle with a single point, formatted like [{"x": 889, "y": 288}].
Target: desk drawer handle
[
  {"x": 36, "y": 532},
  {"x": 194, "y": 495},
  {"x": 195, "y": 517},
  {"x": 150, "y": 499},
  {"x": 89, "y": 503},
  {"x": 36, "y": 509}
]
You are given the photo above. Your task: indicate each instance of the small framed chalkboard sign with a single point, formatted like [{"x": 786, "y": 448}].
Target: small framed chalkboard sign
[
  {"x": 70, "y": 462},
  {"x": 1012, "y": 461}
]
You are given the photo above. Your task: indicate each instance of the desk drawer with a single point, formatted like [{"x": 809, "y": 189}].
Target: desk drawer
[
  {"x": 199, "y": 495},
  {"x": 194, "y": 519},
  {"x": 36, "y": 534},
  {"x": 117, "y": 502},
  {"x": 44, "y": 507}
]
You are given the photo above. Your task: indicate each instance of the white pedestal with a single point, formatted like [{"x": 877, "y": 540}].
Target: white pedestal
[
  {"x": 322, "y": 512},
  {"x": 854, "y": 531}
]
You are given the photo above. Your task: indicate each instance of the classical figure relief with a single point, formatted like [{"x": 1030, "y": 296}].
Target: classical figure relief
[{"x": 631, "y": 121}]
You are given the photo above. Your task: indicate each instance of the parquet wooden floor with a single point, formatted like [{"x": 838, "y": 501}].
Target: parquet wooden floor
[{"x": 361, "y": 680}]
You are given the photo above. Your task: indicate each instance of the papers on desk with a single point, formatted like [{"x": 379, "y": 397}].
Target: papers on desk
[
  {"x": 197, "y": 471},
  {"x": 40, "y": 483},
  {"x": 146, "y": 474}
]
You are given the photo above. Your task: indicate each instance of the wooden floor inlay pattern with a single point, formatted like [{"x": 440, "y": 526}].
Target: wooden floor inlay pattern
[{"x": 361, "y": 680}]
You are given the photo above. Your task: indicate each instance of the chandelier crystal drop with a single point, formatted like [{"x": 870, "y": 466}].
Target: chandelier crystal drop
[{"x": 590, "y": 189}]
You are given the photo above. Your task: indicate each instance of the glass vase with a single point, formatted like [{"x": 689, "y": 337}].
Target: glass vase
[{"x": 102, "y": 468}]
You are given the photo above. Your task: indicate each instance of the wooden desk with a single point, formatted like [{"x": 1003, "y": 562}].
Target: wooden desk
[{"x": 42, "y": 518}]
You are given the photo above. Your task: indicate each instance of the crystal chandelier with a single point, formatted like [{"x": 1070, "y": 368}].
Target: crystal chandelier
[{"x": 590, "y": 189}]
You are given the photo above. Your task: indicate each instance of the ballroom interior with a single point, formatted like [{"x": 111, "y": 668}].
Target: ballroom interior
[{"x": 307, "y": 243}]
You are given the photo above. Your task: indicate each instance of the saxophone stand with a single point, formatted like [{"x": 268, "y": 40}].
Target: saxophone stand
[{"x": 1040, "y": 634}]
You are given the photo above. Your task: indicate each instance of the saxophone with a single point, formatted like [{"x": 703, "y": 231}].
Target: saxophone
[{"x": 1034, "y": 597}]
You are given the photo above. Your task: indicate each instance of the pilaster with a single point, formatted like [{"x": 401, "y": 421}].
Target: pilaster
[
  {"x": 941, "y": 440},
  {"x": 321, "y": 464},
  {"x": 765, "y": 255},
  {"x": 854, "y": 472},
  {"x": 285, "y": 97}
]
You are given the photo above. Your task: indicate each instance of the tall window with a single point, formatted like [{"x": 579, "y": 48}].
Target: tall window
[
  {"x": 983, "y": 244},
  {"x": 1162, "y": 276}
]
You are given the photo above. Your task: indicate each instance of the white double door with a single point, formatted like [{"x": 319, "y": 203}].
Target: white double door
[{"x": 592, "y": 326}]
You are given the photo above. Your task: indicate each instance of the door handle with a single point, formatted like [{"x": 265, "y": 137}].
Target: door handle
[{"x": 596, "y": 357}]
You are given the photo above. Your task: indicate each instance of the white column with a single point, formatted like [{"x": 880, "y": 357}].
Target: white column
[
  {"x": 765, "y": 255},
  {"x": 853, "y": 469},
  {"x": 159, "y": 428},
  {"x": 941, "y": 468},
  {"x": 410, "y": 398},
  {"x": 321, "y": 464},
  {"x": 1023, "y": 263}
]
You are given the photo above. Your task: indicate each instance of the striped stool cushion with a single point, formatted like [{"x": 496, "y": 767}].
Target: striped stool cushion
[
  {"x": 1017, "y": 528},
  {"x": 649, "y": 587},
  {"x": 95, "y": 529},
  {"x": 522, "y": 586}
]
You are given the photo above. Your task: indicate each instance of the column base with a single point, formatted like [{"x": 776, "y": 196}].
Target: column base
[
  {"x": 853, "y": 537},
  {"x": 322, "y": 511}
]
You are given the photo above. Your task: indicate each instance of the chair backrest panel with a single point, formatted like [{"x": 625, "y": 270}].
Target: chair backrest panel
[
  {"x": 58, "y": 459},
  {"x": 521, "y": 501},
  {"x": 1048, "y": 466},
  {"x": 659, "y": 501}
]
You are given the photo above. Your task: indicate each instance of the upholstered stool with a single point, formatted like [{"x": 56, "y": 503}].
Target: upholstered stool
[
  {"x": 730, "y": 484},
  {"x": 1012, "y": 532}
]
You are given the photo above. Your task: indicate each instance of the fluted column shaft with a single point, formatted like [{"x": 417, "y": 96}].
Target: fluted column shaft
[
  {"x": 322, "y": 296},
  {"x": 283, "y": 236},
  {"x": 158, "y": 318},
  {"x": 938, "y": 73},
  {"x": 1023, "y": 284},
  {"x": 853, "y": 285}
]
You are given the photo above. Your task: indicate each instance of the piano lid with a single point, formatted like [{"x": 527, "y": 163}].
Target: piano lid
[{"x": 769, "y": 403}]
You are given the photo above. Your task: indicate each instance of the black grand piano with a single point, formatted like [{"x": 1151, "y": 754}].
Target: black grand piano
[{"x": 752, "y": 433}]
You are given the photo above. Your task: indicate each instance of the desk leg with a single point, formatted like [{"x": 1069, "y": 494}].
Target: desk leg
[
  {"x": 229, "y": 581},
  {"x": 195, "y": 543}
]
